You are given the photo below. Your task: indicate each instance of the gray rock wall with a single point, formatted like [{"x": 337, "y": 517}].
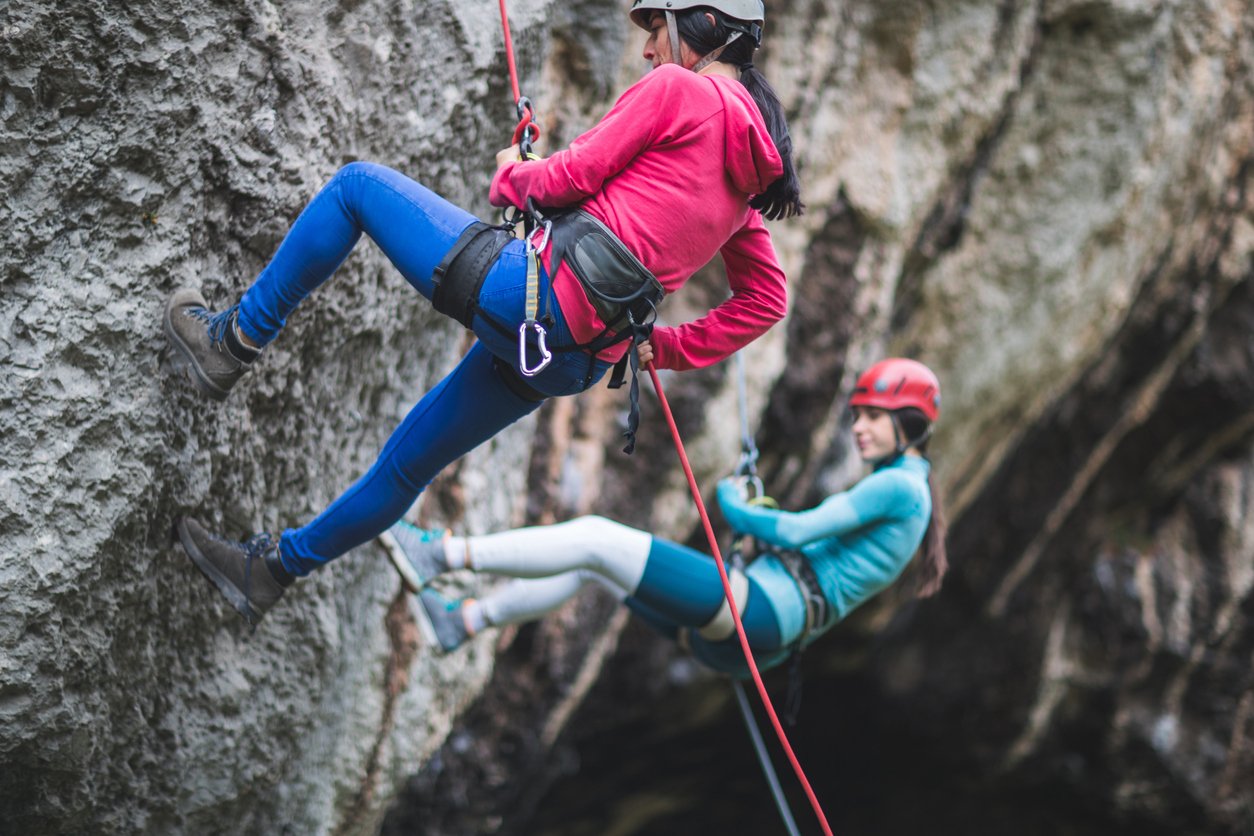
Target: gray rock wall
[
  {"x": 1046, "y": 201},
  {"x": 155, "y": 145}
]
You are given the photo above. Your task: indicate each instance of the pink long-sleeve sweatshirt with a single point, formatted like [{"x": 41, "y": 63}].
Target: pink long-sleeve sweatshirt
[{"x": 670, "y": 169}]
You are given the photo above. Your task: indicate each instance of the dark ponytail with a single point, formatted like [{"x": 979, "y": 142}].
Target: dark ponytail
[
  {"x": 933, "y": 558},
  {"x": 782, "y": 198}
]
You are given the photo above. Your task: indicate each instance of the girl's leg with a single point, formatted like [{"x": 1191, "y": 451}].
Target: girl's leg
[
  {"x": 521, "y": 601},
  {"x": 681, "y": 587},
  {"x": 413, "y": 226},
  {"x": 669, "y": 585},
  {"x": 466, "y": 408},
  {"x": 612, "y": 550}
]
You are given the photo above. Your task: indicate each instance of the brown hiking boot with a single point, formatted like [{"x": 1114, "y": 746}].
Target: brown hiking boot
[
  {"x": 249, "y": 574},
  {"x": 207, "y": 349}
]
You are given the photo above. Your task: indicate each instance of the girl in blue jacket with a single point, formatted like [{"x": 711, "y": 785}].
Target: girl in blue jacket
[{"x": 820, "y": 564}]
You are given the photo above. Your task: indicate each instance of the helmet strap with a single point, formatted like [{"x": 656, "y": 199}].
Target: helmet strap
[
  {"x": 672, "y": 30},
  {"x": 903, "y": 444},
  {"x": 713, "y": 55}
]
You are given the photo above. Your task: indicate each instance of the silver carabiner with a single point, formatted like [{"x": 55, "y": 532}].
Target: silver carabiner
[
  {"x": 547, "y": 227},
  {"x": 759, "y": 489},
  {"x": 545, "y": 355}
]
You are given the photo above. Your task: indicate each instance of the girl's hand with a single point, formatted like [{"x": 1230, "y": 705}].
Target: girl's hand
[
  {"x": 645, "y": 353},
  {"x": 511, "y": 154}
]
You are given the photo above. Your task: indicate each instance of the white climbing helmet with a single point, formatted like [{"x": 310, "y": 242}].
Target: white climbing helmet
[
  {"x": 746, "y": 18},
  {"x": 748, "y": 10}
]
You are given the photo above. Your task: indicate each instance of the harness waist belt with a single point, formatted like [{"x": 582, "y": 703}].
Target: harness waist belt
[{"x": 613, "y": 279}]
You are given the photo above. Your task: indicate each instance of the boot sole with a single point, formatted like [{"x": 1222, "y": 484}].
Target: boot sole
[
  {"x": 230, "y": 591},
  {"x": 409, "y": 578},
  {"x": 184, "y": 360}
]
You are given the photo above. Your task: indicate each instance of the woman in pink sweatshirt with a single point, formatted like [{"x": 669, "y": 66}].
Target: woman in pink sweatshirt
[{"x": 683, "y": 167}]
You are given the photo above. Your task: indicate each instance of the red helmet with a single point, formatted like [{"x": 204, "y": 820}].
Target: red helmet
[{"x": 897, "y": 383}]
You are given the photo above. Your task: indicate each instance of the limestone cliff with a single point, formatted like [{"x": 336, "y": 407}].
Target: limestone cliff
[{"x": 1046, "y": 201}]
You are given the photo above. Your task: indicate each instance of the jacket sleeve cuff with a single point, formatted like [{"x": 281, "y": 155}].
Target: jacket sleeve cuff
[{"x": 662, "y": 340}]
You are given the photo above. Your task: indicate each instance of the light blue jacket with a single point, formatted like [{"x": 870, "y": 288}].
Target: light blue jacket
[{"x": 858, "y": 541}]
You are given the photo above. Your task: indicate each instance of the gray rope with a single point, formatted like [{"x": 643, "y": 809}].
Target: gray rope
[
  {"x": 748, "y": 449},
  {"x": 764, "y": 758}
]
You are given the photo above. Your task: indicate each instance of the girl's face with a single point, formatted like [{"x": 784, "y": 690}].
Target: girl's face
[
  {"x": 874, "y": 433},
  {"x": 657, "y": 49}
]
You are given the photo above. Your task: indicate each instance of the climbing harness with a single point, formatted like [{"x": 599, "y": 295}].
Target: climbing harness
[
  {"x": 624, "y": 293},
  {"x": 817, "y": 613},
  {"x": 727, "y": 591}
]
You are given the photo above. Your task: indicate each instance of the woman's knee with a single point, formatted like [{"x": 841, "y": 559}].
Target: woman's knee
[
  {"x": 616, "y": 551},
  {"x": 595, "y": 529},
  {"x": 359, "y": 168}
]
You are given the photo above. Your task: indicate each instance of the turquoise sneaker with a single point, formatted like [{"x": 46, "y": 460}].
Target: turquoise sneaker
[
  {"x": 441, "y": 620},
  {"x": 417, "y": 553}
]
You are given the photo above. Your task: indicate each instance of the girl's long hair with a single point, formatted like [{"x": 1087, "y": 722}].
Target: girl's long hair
[
  {"x": 782, "y": 198},
  {"x": 933, "y": 558}
]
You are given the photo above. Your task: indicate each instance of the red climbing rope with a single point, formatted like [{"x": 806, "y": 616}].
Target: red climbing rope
[
  {"x": 509, "y": 52},
  {"x": 731, "y": 601},
  {"x": 526, "y": 113}
]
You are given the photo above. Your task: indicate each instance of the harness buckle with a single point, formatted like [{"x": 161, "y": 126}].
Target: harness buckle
[{"x": 546, "y": 356}]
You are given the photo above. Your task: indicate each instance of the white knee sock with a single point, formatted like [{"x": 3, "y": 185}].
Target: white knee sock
[
  {"x": 527, "y": 600},
  {"x": 614, "y": 551}
]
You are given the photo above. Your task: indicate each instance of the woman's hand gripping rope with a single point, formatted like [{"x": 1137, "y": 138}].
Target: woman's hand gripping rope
[
  {"x": 644, "y": 351},
  {"x": 514, "y": 154}
]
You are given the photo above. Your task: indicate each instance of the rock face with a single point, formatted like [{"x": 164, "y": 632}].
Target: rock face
[
  {"x": 1047, "y": 202},
  {"x": 170, "y": 144}
]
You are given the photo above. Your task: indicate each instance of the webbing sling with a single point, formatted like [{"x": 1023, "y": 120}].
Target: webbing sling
[{"x": 531, "y": 304}]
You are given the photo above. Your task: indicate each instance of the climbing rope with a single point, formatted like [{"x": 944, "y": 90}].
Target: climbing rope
[
  {"x": 527, "y": 131},
  {"x": 525, "y": 134},
  {"x": 748, "y": 465},
  {"x": 731, "y": 601},
  {"x": 764, "y": 758}
]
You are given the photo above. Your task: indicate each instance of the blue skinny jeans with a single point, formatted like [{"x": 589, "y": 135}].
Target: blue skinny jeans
[{"x": 415, "y": 228}]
